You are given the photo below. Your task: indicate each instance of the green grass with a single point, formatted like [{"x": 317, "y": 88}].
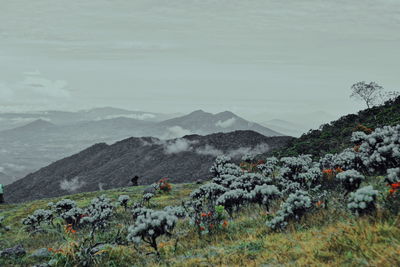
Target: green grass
[{"x": 323, "y": 238}]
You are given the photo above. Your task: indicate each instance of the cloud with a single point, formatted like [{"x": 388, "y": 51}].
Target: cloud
[
  {"x": 144, "y": 116},
  {"x": 1, "y": 169},
  {"x": 72, "y": 185},
  {"x": 209, "y": 151},
  {"x": 259, "y": 149},
  {"x": 226, "y": 124},
  {"x": 34, "y": 92},
  {"x": 176, "y": 132},
  {"x": 178, "y": 146}
]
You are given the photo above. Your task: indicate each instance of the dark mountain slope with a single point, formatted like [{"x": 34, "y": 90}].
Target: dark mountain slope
[
  {"x": 201, "y": 122},
  {"x": 335, "y": 136},
  {"x": 109, "y": 166}
]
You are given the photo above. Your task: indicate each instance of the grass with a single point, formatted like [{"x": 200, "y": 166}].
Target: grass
[{"x": 323, "y": 238}]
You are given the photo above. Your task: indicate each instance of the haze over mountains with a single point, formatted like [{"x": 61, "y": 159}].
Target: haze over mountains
[
  {"x": 105, "y": 166},
  {"x": 53, "y": 135}
]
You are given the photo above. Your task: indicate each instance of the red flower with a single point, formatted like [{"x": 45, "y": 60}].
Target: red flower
[
  {"x": 203, "y": 215},
  {"x": 202, "y": 228},
  {"x": 225, "y": 224}
]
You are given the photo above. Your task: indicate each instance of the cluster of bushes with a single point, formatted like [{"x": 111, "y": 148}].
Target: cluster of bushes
[{"x": 287, "y": 189}]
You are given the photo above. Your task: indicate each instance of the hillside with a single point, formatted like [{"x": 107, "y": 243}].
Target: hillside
[
  {"x": 321, "y": 240},
  {"x": 335, "y": 136},
  {"x": 105, "y": 166},
  {"x": 55, "y": 135},
  {"x": 277, "y": 212}
]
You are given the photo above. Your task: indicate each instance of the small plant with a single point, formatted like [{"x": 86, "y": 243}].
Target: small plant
[
  {"x": 73, "y": 216},
  {"x": 123, "y": 201},
  {"x": 147, "y": 197},
  {"x": 363, "y": 201},
  {"x": 392, "y": 201},
  {"x": 151, "y": 225},
  {"x": 164, "y": 186},
  {"x": 351, "y": 180}
]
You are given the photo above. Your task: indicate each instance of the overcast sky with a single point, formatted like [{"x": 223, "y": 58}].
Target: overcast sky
[{"x": 247, "y": 56}]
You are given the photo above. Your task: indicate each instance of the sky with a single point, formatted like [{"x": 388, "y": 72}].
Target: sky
[{"x": 254, "y": 57}]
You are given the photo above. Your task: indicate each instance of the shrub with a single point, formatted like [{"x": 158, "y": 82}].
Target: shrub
[
  {"x": 362, "y": 201},
  {"x": 248, "y": 158},
  {"x": 393, "y": 176},
  {"x": 379, "y": 150},
  {"x": 392, "y": 201},
  {"x": 223, "y": 166},
  {"x": 73, "y": 216},
  {"x": 62, "y": 206},
  {"x": 350, "y": 180},
  {"x": 123, "y": 201},
  {"x": 249, "y": 181},
  {"x": 147, "y": 197},
  {"x": 232, "y": 200},
  {"x": 270, "y": 167},
  {"x": 164, "y": 186},
  {"x": 177, "y": 211},
  {"x": 34, "y": 221},
  {"x": 264, "y": 194},
  {"x": 98, "y": 213},
  {"x": 225, "y": 180},
  {"x": 151, "y": 225},
  {"x": 208, "y": 193},
  {"x": 295, "y": 206}
]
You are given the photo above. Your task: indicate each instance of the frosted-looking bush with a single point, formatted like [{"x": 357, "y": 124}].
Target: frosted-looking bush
[
  {"x": 223, "y": 166},
  {"x": 264, "y": 195},
  {"x": 147, "y": 197},
  {"x": 270, "y": 167},
  {"x": 232, "y": 200},
  {"x": 225, "y": 180},
  {"x": 123, "y": 201},
  {"x": 393, "y": 175},
  {"x": 295, "y": 206},
  {"x": 62, "y": 206},
  {"x": 208, "y": 192},
  {"x": 98, "y": 213},
  {"x": 38, "y": 217},
  {"x": 350, "y": 179},
  {"x": 249, "y": 181},
  {"x": 363, "y": 201},
  {"x": 347, "y": 159},
  {"x": 151, "y": 225},
  {"x": 177, "y": 211},
  {"x": 379, "y": 150},
  {"x": 293, "y": 166},
  {"x": 73, "y": 216}
]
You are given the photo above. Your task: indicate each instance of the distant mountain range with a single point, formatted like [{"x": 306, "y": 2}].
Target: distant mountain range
[
  {"x": 54, "y": 135},
  {"x": 105, "y": 166}
]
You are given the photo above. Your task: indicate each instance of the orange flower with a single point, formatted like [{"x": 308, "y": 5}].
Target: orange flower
[
  {"x": 225, "y": 224},
  {"x": 202, "y": 228},
  {"x": 319, "y": 203},
  {"x": 328, "y": 171},
  {"x": 203, "y": 215},
  {"x": 209, "y": 214}
]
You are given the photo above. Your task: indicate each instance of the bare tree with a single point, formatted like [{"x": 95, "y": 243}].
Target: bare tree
[{"x": 370, "y": 93}]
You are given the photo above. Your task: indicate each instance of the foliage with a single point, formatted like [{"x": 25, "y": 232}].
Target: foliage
[
  {"x": 296, "y": 205},
  {"x": 34, "y": 221},
  {"x": 351, "y": 180},
  {"x": 363, "y": 201},
  {"x": 123, "y": 201},
  {"x": 264, "y": 195},
  {"x": 151, "y": 225},
  {"x": 164, "y": 186}
]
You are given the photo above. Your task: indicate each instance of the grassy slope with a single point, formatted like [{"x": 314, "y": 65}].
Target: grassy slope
[
  {"x": 327, "y": 237},
  {"x": 335, "y": 136}
]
